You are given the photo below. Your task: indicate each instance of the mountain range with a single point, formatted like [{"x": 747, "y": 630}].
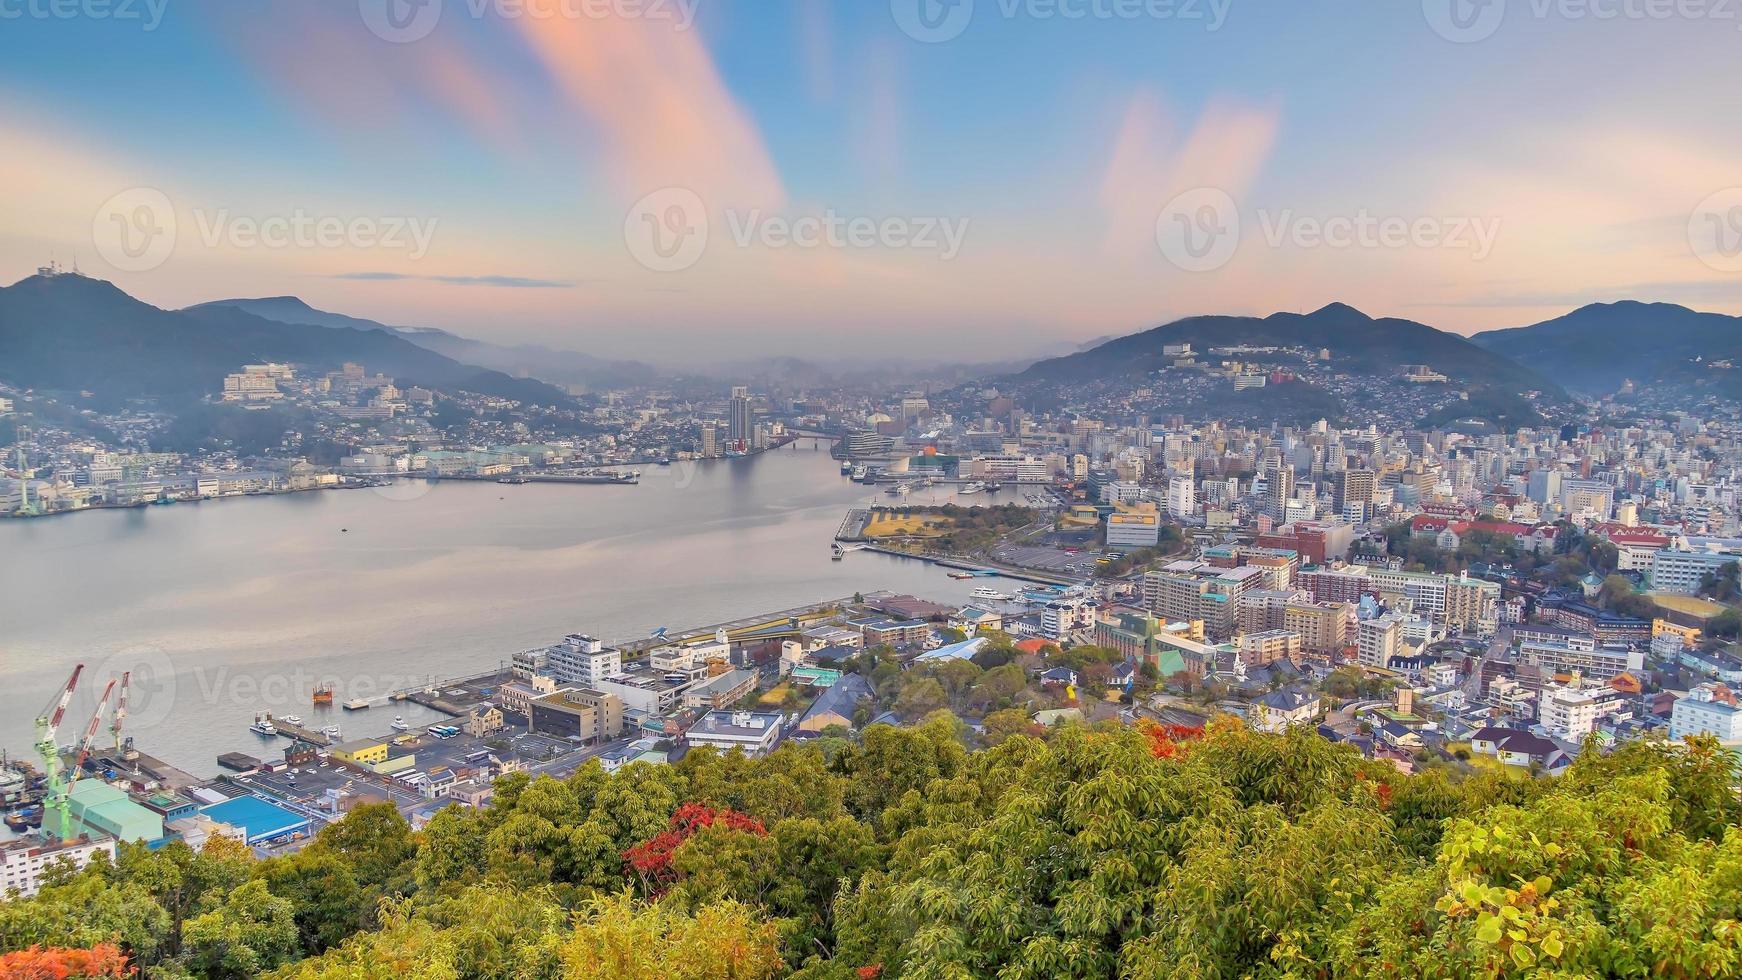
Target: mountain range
[
  {"x": 1595, "y": 349},
  {"x": 560, "y": 367},
  {"x": 70, "y": 333},
  {"x": 1358, "y": 345}
]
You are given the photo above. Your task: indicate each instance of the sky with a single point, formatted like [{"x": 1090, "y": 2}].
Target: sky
[{"x": 713, "y": 180}]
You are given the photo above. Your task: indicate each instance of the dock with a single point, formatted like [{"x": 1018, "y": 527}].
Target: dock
[{"x": 309, "y": 735}]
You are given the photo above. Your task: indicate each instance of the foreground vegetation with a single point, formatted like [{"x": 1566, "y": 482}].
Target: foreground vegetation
[{"x": 1088, "y": 853}]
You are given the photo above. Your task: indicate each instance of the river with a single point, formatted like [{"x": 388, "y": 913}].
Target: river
[{"x": 230, "y": 607}]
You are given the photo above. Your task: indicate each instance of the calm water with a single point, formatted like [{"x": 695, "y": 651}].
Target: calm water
[{"x": 226, "y": 608}]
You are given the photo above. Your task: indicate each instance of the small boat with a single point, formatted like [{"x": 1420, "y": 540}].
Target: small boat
[
  {"x": 899, "y": 490},
  {"x": 975, "y": 487},
  {"x": 332, "y": 732},
  {"x": 263, "y": 726},
  {"x": 30, "y": 816},
  {"x": 399, "y": 724},
  {"x": 994, "y": 487},
  {"x": 846, "y": 467},
  {"x": 293, "y": 720},
  {"x": 990, "y": 594},
  {"x": 344, "y": 530},
  {"x": 513, "y": 481}
]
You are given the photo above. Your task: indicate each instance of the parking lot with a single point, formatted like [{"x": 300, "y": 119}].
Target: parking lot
[{"x": 1056, "y": 560}]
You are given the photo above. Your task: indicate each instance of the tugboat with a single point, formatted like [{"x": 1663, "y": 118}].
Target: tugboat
[
  {"x": 263, "y": 726},
  {"x": 399, "y": 724}
]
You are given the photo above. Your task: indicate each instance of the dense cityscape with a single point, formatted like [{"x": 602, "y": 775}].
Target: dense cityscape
[{"x": 925, "y": 490}]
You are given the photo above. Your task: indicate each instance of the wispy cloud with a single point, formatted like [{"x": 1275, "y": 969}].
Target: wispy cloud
[{"x": 512, "y": 282}]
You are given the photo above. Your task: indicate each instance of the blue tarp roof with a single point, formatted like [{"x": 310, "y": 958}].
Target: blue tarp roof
[{"x": 258, "y": 819}]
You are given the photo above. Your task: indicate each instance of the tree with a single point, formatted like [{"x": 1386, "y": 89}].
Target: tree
[
  {"x": 920, "y": 696},
  {"x": 249, "y": 932}
]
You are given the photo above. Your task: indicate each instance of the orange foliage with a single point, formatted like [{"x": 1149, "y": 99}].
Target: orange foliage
[
  {"x": 1170, "y": 741},
  {"x": 56, "y": 963}
]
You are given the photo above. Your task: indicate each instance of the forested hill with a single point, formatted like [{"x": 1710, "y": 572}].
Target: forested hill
[{"x": 1081, "y": 853}]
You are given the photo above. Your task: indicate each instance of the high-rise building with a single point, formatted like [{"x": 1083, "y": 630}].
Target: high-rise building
[
  {"x": 738, "y": 418},
  {"x": 1352, "y": 487},
  {"x": 1181, "y": 500}
]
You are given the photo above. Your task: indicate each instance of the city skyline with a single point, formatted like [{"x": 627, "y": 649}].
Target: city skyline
[{"x": 1011, "y": 177}]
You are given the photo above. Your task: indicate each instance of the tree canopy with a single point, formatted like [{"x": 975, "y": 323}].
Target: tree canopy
[{"x": 1079, "y": 852}]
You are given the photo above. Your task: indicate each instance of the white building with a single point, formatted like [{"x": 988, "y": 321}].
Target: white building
[
  {"x": 583, "y": 660},
  {"x": 1379, "y": 639},
  {"x": 1181, "y": 499},
  {"x": 1569, "y": 712},
  {"x": 1709, "y": 709},
  {"x": 1680, "y": 571},
  {"x": 753, "y": 731},
  {"x": 22, "y": 861}
]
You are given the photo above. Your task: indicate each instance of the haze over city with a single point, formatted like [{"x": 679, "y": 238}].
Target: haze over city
[{"x": 1525, "y": 165}]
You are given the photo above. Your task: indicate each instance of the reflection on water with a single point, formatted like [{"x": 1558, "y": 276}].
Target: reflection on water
[{"x": 229, "y": 607}]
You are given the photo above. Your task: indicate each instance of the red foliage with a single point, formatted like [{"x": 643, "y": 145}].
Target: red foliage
[
  {"x": 1171, "y": 741},
  {"x": 55, "y": 963},
  {"x": 651, "y": 859},
  {"x": 871, "y": 972}
]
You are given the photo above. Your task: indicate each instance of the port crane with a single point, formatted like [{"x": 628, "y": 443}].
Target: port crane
[
  {"x": 123, "y": 748},
  {"x": 91, "y": 730},
  {"x": 56, "y": 818}
]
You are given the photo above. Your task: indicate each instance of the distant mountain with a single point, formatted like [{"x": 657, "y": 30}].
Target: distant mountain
[
  {"x": 72, "y": 332},
  {"x": 559, "y": 367},
  {"x": 1595, "y": 348},
  {"x": 1358, "y": 344}
]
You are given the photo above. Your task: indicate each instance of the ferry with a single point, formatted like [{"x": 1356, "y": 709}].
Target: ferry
[
  {"x": 263, "y": 726},
  {"x": 399, "y": 724},
  {"x": 975, "y": 487},
  {"x": 990, "y": 594}
]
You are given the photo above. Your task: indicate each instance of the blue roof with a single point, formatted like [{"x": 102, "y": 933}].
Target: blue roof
[{"x": 258, "y": 819}]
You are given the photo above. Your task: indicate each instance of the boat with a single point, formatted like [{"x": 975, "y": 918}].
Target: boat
[
  {"x": 332, "y": 732},
  {"x": 963, "y": 575},
  {"x": 399, "y": 724},
  {"x": 859, "y": 472},
  {"x": 323, "y": 694},
  {"x": 30, "y": 816},
  {"x": 975, "y": 487},
  {"x": 990, "y": 594},
  {"x": 263, "y": 726},
  {"x": 846, "y": 467},
  {"x": 513, "y": 481},
  {"x": 293, "y": 720},
  {"x": 994, "y": 487},
  {"x": 899, "y": 490}
]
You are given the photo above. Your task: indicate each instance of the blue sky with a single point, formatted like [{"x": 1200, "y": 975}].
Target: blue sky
[{"x": 1097, "y": 174}]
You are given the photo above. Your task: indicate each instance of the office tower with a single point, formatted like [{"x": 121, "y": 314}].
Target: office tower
[{"x": 738, "y": 418}]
